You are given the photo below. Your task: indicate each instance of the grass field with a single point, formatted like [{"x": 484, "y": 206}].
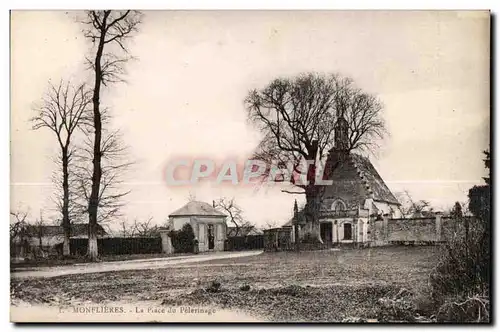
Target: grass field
[{"x": 319, "y": 286}]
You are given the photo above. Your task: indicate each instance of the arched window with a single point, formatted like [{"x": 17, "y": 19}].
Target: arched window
[{"x": 338, "y": 205}]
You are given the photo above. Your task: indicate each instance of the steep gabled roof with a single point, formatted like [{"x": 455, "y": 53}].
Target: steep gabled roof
[
  {"x": 195, "y": 208},
  {"x": 373, "y": 180}
]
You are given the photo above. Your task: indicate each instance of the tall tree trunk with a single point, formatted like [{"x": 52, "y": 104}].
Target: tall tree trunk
[
  {"x": 313, "y": 194},
  {"x": 296, "y": 235},
  {"x": 312, "y": 212},
  {"x": 66, "y": 224},
  {"x": 96, "y": 162}
]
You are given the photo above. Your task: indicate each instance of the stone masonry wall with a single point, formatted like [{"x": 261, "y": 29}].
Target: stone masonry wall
[
  {"x": 421, "y": 229},
  {"x": 411, "y": 230}
]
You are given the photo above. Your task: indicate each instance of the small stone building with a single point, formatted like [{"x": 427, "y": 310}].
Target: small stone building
[{"x": 209, "y": 224}]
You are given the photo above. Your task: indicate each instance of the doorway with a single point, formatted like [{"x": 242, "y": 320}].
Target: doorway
[
  {"x": 347, "y": 231},
  {"x": 210, "y": 233},
  {"x": 326, "y": 232}
]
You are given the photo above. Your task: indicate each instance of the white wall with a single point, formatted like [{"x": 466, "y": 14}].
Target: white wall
[
  {"x": 178, "y": 222},
  {"x": 199, "y": 224}
]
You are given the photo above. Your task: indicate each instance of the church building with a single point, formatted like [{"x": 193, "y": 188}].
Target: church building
[{"x": 357, "y": 197}]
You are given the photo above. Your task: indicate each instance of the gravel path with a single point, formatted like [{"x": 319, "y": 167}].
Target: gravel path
[{"x": 143, "y": 264}]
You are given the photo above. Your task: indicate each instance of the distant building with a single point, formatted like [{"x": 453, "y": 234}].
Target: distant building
[
  {"x": 209, "y": 224},
  {"x": 46, "y": 237}
]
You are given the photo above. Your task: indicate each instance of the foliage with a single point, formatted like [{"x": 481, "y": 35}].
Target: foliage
[
  {"x": 479, "y": 201},
  {"x": 183, "y": 240},
  {"x": 457, "y": 211},
  {"x": 463, "y": 273},
  {"x": 460, "y": 283},
  {"x": 480, "y": 196}
]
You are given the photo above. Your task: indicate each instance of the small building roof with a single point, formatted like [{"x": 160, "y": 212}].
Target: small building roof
[{"x": 196, "y": 208}]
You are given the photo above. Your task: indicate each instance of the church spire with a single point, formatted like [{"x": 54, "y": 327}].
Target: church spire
[{"x": 341, "y": 135}]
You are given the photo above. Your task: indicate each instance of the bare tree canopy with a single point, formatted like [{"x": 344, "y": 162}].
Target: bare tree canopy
[
  {"x": 18, "y": 224},
  {"x": 63, "y": 110},
  {"x": 109, "y": 31},
  {"x": 234, "y": 212},
  {"x": 115, "y": 164},
  {"x": 413, "y": 208},
  {"x": 297, "y": 118}
]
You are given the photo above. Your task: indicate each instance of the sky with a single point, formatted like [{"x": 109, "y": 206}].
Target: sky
[{"x": 185, "y": 90}]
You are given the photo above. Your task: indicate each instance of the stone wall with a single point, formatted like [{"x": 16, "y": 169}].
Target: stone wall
[
  {"x": 278, "y": 239},
  {"x": 382, "y": 232},
  {"x": 417, "y": 229},
  {"x": 409, "y": 230}
]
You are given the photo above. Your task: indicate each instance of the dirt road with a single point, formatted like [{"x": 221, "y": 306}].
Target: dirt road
[{"x": 143, "y": 264}]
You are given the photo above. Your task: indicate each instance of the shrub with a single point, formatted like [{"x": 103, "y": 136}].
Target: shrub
[
  {"x": 460, "y": 282},
  {"x": 310, "y": 238},
  {"x": 183, "y": 240}
]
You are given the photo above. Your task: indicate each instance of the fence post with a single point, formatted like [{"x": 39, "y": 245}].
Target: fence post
[
  {"x": 438, "y": 226},
  {"x": 385, "y": 228},
  {"x": 166, "y": 242}
]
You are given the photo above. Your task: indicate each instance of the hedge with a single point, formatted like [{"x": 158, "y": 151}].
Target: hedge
[{"x": 117, "y": 246}]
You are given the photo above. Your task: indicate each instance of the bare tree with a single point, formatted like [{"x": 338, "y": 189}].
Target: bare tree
[
  {"x": 114, "y": 166},
  {"x": 270, "y": 224},
  {"x": 61, "y": 111},
  {"x": 17, "y": 225},
  {"x": 108, "y": 31},
  {"x": 39, "y": 230},
  {"x": 124, "y": 229},
  {"x": 234, "y": 212},
  {"x": 145, "y": 228},
  {"x": 413, "y": 208},
  {"x": 297, "y": 118},
  {"x": 18, "y": 229}
]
